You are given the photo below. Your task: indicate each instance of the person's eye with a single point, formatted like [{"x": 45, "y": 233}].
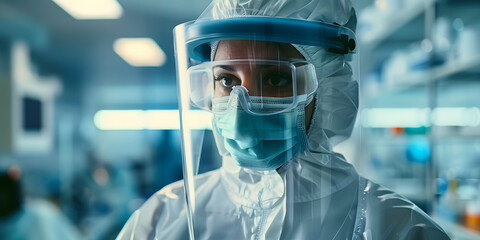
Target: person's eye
[
  {"x": 227, "y": 80},
  {"x": 278, "y": 80}
]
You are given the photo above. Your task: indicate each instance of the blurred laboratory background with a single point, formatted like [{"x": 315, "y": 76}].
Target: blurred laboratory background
[{"x": 89, "y": 111}]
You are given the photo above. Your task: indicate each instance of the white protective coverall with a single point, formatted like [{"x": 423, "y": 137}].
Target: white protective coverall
[{"x": 317, "y": 195}]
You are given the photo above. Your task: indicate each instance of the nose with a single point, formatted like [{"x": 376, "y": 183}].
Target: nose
[{"x": 249, "y": 81}]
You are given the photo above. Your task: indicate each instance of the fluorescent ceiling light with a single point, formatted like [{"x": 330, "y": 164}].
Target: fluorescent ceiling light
[
  {"x": 150, "y": 119},
  {"x": 420, "y": 117},
  {"x": 467, "y": 117},
  {"x": 91, "y": 9},
  {"x": 395, "y": 117},
  {"x": 140, "y": 51}
]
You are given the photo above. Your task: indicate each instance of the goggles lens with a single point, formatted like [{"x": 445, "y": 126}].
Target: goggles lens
[{"x": 265, "y": 81}]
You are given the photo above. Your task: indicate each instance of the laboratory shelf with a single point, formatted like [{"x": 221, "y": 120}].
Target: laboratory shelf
[
  {"x": 452, "y": 68},
  {"x": 461, "y": 133},
  {"x": 457, "y": 231},
  {"x": 459, "y": 68},
  {"x": 393, "y": 23}
]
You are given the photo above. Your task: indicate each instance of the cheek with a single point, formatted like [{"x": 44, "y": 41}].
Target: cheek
[{"x": 218, "y": 91}]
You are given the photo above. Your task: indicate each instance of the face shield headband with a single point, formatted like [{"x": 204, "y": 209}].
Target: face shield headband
[{"x": 199, "y": 34}]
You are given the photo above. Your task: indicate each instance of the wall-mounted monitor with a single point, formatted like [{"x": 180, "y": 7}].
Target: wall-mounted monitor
[{"x": 32, "y": 114}]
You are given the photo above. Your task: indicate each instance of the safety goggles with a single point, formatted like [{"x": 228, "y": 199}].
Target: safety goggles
[{"x": 267, "y": 86}]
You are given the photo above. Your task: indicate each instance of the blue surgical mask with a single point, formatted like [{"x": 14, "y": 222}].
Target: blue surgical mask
[{"x": 260, "y": 142}]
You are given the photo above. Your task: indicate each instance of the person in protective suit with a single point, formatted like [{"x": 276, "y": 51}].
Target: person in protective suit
[{"x": 277, "y": 77}]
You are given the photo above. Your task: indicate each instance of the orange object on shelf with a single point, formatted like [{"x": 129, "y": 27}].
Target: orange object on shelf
[
  {"x": 472, "y": 216},
  {"x": 397, "y": 131},
  {"x": 472, "y": 221}
]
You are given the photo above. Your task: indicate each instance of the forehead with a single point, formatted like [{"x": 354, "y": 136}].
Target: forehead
[{"x": 248, "y": 49}]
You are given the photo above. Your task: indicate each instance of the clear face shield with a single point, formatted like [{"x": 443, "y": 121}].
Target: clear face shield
[{"x": 259, "y": 92}]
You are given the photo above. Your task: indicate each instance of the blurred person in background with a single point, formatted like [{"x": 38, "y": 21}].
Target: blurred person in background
[
  {"x": 276, "y": 74},
  {"x": 25, "y": 219},
  {"x": 103, "y": 198}
]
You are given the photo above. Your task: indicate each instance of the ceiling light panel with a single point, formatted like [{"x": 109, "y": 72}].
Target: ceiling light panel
[
  {"x": 91, "y": 9},
  {"x": 140, "y": 52}
]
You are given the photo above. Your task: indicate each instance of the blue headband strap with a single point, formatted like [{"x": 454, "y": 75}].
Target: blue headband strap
[{"x": 198, "y": 35}]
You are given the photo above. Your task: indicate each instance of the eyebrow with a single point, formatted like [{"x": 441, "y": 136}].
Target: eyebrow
[{"x": 226, "y": 67}]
